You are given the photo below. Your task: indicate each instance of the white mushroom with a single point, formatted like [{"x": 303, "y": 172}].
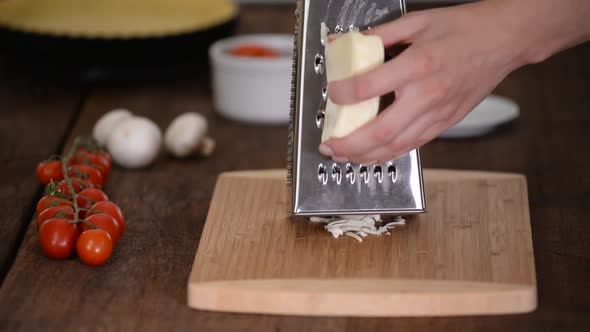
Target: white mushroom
[
  {"x": 107, "y": 122},
  {"x": 135, "y": 142},
  {"x": 187, "y": 134}
]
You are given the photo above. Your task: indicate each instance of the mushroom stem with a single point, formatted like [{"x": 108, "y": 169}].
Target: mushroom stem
[{"x": 206, "y": 147}]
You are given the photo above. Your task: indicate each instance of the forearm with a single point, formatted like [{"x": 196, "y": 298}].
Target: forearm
[{"x": 545, "y": 27}]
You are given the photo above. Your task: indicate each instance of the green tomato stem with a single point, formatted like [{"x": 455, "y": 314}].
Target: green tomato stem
[{"x": 64, "y": 162}]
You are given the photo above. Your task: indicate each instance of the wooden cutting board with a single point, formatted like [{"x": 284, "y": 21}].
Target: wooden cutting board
[{"x": 470, "y": 254}]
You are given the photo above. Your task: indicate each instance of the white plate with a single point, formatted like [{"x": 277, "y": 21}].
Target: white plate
[{"x": 490, "y": 113}]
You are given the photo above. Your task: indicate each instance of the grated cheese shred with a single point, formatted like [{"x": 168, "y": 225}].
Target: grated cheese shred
[{"x": 358, "y": 227}]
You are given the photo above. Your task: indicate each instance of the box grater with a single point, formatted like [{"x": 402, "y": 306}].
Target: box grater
[{"x": 318, "y": 185}]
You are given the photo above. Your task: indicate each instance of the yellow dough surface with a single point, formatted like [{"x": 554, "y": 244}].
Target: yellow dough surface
[{"x": 114, "y": 18}]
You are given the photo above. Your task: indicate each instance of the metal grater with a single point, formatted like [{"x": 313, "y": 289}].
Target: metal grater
[{"x": 318, "y": 185}]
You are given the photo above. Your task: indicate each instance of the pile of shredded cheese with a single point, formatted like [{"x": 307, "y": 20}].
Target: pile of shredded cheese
[{"x": 357, "y": 227}]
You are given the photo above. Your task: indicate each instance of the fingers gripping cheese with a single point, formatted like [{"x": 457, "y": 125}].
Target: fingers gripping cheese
[{"x": 349, "y": 55}]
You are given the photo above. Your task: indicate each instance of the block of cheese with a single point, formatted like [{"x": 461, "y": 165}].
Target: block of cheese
[{"x": 349, "y": 55}]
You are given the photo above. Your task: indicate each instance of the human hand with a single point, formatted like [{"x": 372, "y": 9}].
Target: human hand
[{"x": 456, "y": 57}]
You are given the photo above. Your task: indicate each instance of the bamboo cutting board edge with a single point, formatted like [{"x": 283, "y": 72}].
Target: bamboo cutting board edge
[
  {"x": 358, "y": 296},
  {"x": 363, "y": 297}
]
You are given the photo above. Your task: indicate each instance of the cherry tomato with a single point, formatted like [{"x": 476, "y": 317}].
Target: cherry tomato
[
  {"x": 98, "y": 161},
  {"x": 105, "y": 222},
  {"x": 50, "y": 201},
  {"x": 254, "y": 51},
  {"x": 94, "y": 247},
  {"x": 111, "y": 209},
  {"x": 106, "y": 156},
  {"x": 63, "y": 190},
  {"x": 48, "y": 171},
  {"x": 59, "y": 212},
  {"x": 86, "y": 172},
  {"x": 88, "y": 197},
  {"x": 57, "y": 238}
]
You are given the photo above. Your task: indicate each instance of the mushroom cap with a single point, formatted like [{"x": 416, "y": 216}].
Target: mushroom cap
[
  {"x": 135, "y": 142},
  {"x": 185, "y": 133},
  {"x": 107, "y": 122}
]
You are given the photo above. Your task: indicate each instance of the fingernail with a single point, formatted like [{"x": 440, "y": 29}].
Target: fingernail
[
  {"x": 340, "y": 159},
  {"x": 325, "y": 150}
]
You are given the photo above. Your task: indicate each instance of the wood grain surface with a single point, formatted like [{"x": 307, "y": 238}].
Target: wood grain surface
[
  {"x": 143, "y": 287},
  {"x": 470, "y": 254},
  {"x": 34, "y": 118}
]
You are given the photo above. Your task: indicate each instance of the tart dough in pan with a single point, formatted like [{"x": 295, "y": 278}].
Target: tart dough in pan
[{"x": 114, "y": 19}]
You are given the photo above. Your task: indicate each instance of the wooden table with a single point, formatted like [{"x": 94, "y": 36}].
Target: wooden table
[{"x": 143, "y": 287}]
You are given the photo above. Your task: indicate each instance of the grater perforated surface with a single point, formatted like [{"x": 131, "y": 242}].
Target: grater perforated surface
[{"x": 318, "y": 185}]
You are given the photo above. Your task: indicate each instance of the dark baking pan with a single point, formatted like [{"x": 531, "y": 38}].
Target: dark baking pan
[{"x": 100, "y": 59}]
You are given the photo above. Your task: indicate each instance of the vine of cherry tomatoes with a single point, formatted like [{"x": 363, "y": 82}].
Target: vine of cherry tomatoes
[{"x": 75, "y": 215}]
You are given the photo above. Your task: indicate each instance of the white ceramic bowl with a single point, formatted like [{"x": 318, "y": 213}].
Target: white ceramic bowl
[
  {"x": 490, "y": 113},
  {"x": 253, "y": 90}
]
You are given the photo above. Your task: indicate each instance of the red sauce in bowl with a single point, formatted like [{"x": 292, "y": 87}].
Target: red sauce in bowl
[{"x": 254, "y": 51}]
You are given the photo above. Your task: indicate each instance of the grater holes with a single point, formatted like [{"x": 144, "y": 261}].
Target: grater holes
[
  {"x": 322, "y": 174},
  {"x": 325, "y": 93},
  {"x": 319, "y": 64},
  {"x": 392, "y": 172},
  {"x": 350, "y": 174},
  {"x": 364, "y": 173},
  {"x": 336, "y": 173},
  {"x": 378, "y": 173},
  {"x": 319, "y": 118}
]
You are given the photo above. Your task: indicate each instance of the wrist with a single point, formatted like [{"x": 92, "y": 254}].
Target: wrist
[
  {"x": 517, "y": 32},
  {"x": 541, "y": 28}
]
